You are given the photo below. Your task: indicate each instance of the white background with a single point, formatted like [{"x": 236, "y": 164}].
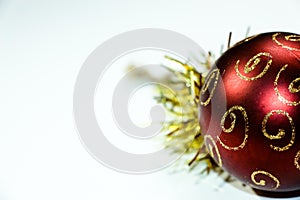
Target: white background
[{"x": 42, "y": 47}]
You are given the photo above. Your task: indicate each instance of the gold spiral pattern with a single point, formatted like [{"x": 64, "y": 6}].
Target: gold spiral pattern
[
  {"x": 296, "y": 160},
  {"x": 212, "y": 78},
  {"x": 252, "y": 64},
  {"x": 232, "y": 116},
  {"x": 262, "y": 182},
  {"x": 291, "y": 38},
  {"x": 209, "y": 141},
  {"x": 291, "y": 88},
  {"x": 245, "y": 40},
  {"x": 281, "y": 133}
]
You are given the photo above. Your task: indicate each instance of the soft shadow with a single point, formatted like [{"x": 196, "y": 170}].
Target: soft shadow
[
  {"x": 239, "y": 185},
  {"x": 291, "y": 194}
]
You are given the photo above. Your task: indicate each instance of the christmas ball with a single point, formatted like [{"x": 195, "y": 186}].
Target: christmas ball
[{"x": 250, "y": 111}]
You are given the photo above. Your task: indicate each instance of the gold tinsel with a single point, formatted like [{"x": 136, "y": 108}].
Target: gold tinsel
[{"x": 183, "y": 129}]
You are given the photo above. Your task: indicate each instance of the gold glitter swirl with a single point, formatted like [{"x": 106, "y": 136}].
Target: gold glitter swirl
[
  {"x": 212, "y": 77},
  {"x": 245, "y": 40},
  {"x": 232, "y": 115},
  {"x": 291, "y": 38},
  {"x": 210, "y": 149},
  {"x": 291, "y": 88},
  {"x": 296, "y": 160},
  {"x": 281, "y": 133},
  {"x": 262, "y": 182},
  {"x": 252, "y": 64}
]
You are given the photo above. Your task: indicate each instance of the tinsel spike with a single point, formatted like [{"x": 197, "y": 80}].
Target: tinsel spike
[{"x": 185, "y": 134}]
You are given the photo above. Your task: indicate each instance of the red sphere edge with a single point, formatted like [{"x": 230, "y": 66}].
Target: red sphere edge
[{"x": 250, "y": 111}]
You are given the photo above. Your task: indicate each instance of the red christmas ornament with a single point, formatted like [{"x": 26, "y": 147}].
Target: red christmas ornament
[{"x": 250, "y": 111}]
